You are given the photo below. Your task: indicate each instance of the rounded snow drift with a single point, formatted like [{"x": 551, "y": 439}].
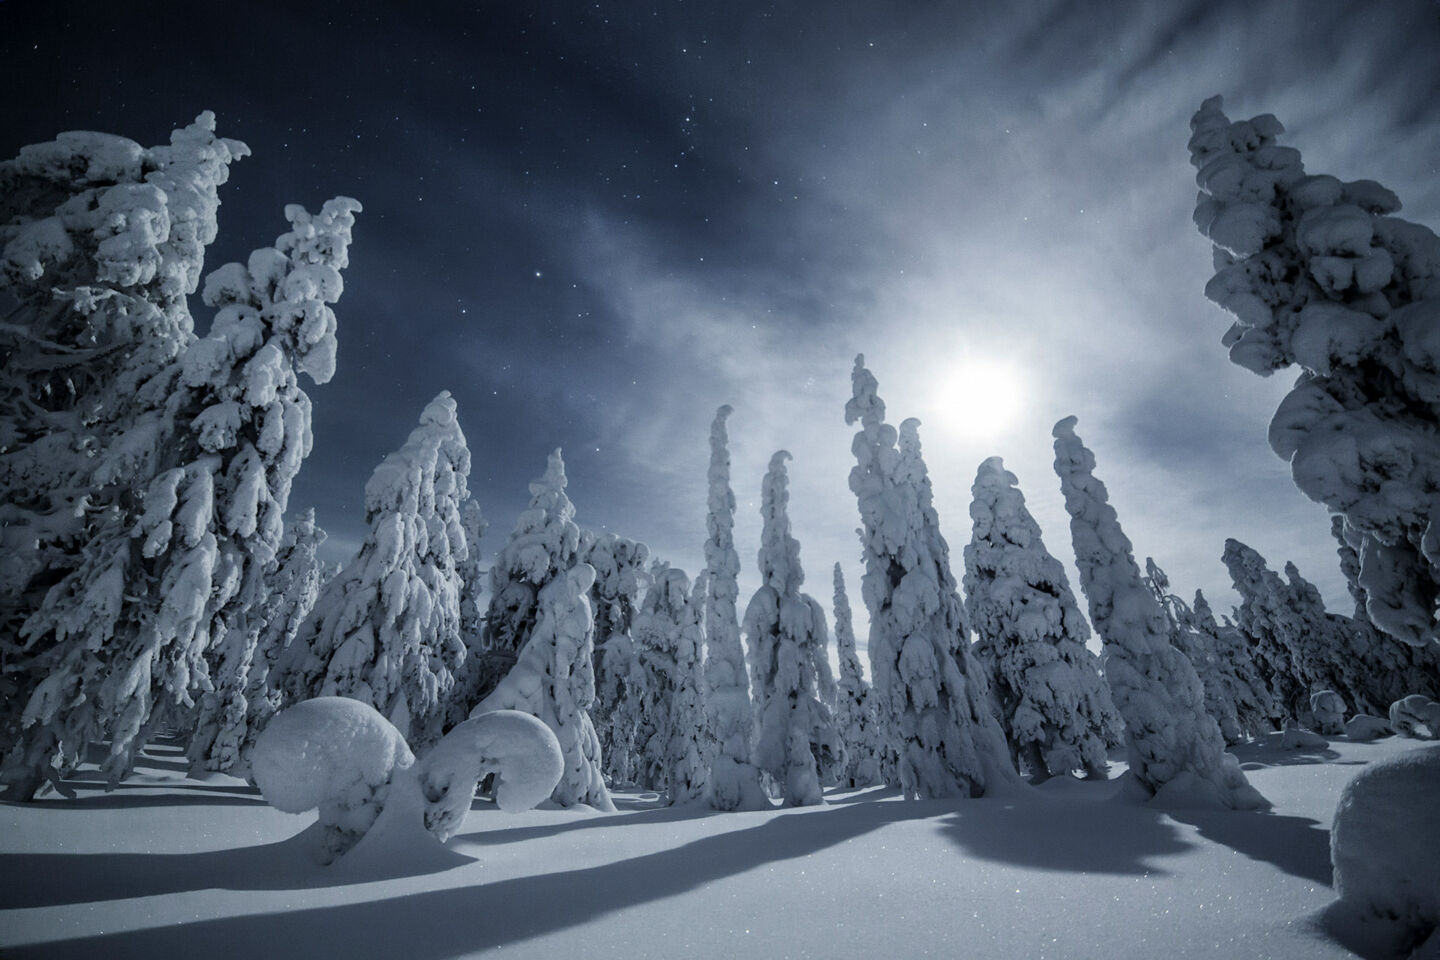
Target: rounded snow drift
[
  {"x": 323, "y": 748},
  {"x": 1384, "y": 840}
]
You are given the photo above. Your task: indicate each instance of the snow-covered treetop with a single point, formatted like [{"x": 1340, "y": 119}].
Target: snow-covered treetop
[
  {"x": 431, "y": 468},
  {"x": 779, "y": 555},
  {"x": 546, "y": 537}
]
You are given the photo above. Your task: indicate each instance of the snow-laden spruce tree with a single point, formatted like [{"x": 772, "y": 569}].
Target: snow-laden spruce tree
[
  {"x": 173, "y": 564},
  {"x": 1054, "y": 706},
  {"x": 855, "y": 710},
  {"x": 553, "y": 679},
  {"x": 1174, "y": 746},
  {"x": 797, "y": 742},
  {"x": 292, "y": 585},
  {"x": 670, "y": 730},
  {"x": 102, "y": 242},
  {"x": 539, "y": 575},
  {"x": 734, "y": 780},
  {"x": 1255, "y": 710},
  {"x": 932, "y": 697},
  {"x": 386, "y": 631},
  {"x": 1198, "y": 647},
  {"x": 544, "y": 544},
  {"x": 1379, "y": 670},
  {"x": 472, "y": 577},
  {"x": 619, "y": 679},
  {"x": 1319, "y": 274}
]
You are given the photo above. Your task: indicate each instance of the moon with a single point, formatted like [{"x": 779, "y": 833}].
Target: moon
[{"x": 980, "y": 398}]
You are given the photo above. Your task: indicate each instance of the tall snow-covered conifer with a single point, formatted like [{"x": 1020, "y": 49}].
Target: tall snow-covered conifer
[
  {"x": 1174, "y": 746},
  {"x": 932, "y": 697},
  {"x": 734, "y": 781},
  {"x": 855, "y": 709},
  {"x": 619, "y": 679},
  {"x": 198, "y": 474},
  {"x": 386, "y": 631},
  {"x": 1055, "y": 707},
  {"x": 553, "y": 676},
  {"x": 669, "y": 638},
  {"x": 1318, "y": 273},
  {"x": 1255, "y": 710},
  {"x": 797, "y": 736}
]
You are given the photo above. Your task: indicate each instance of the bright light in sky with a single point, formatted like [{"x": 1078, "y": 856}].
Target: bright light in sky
[{"x": 979, "y": 397}]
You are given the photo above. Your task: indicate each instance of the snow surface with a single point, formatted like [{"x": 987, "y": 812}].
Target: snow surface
[{"x": 170, "y": 867}]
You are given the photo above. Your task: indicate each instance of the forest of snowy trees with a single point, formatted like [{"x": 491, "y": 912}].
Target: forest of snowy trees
[{"x": 155, "y": 578}]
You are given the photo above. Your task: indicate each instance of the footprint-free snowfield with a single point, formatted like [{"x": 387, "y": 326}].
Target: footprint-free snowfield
[{"x": 167, "y": 867}]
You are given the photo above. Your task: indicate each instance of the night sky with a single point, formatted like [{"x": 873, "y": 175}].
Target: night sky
[{"x": 594, "y": 223}]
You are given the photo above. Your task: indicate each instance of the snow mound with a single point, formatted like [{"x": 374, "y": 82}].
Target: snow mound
[
  {"x": 1384, "y": 840},
  {"x": 520, "y": 750},
  {"x": 1297, "y": 737},
  {"x": 320, "y": 749},
  {"x": 1363, "y": 728},
  {"x": 1416, "y": 716}
]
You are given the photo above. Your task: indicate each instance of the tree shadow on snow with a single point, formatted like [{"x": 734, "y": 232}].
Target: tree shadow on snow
[
  {"x": 1058, "y": 834},
  {"x": 485, "y": 814},
  {"x": 465, "y": 919},
  {"x": 1265, "y": 752},
  {"x": 53, "y": 879},
  {"x": 1297, "y": 845}
]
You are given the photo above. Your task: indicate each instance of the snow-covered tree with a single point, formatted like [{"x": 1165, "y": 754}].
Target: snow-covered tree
[
  {"x": 553, "y": 679},
  {"x": 540, "y": 597},
  {"x": 796, "y": 734},
  {"x": 1319, "y": 274},
  {"x": 1271, "y": 625},
  {"x": 932, "y": 697},
  {"x": 544, "y": 544},
  {"x": 387, "y": 630},
  {"x": 192, "y": 486},
  {"x": 1054, "y": 705},
  {"x": 1174, "y": 746},
  {"x": 734, "y": 780},
  {"x": 472, "y": 577},
  {"x": 855, "y": 710},
  {"x": 292, "y": 585},
  {"x": 1199, "y": 648},
  {"x": 619, "y": 679},
  {"x": 671, "y": 734},
  {"x": 1255, "y": 710}
]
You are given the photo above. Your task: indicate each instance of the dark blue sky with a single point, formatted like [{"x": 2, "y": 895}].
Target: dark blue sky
[{"x": 594, "y": 223}]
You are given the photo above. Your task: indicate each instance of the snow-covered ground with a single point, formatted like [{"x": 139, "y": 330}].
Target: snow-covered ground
[{"x": 167, "y": 867}]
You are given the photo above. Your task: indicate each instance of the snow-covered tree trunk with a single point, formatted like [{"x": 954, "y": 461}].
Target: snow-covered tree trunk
[
  {"x": 540, "y": 596},
  {"x": 932, "y": 697},
  {"x": 1055, "y": 707},
  {"x": 387, "y": 630},
  {"x": 1175, "y": 748},
  {"x": 797, "y": 736},
  {"x": 855, "y": 710},
  {"x": 734, "y": 780},
  {"x": 1319, "y": 274},
  {"x": 619, "y": 679}
]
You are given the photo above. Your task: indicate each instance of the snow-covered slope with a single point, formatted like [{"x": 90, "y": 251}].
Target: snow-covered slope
[{"x": 170, "y": 867}]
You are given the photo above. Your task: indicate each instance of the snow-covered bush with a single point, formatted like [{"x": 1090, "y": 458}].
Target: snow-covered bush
[
  {"x": 387, "y": 630},
  {"x": 932, "y": 697},
  {"x": 1416, "y": 716},
  {"x": 1296, "y": 737},
  {"x": 189, "y": 474},
  {"x": 342, "y": 756},
  {"x": 1363, "y": 728},
  {"x": 797, "y": 742},
  {"x": 619, "y": 679},
  {"x": 1174, "y": 747},
  {"x": 1383, "y": 843},
  {"x": 1273, "y": 626},
  {"x": 554, "y": 676},
  {"x": 671, "y": 739},
  {"x": 1055, "y": 707},
  {"x": 1328, "y": 711},
  {"x": 1319, "y": 274},
  {"x": 855, "y": 709},
  {"x": 1255, "y": 710},
  {"x": 734, "y": 780}
]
